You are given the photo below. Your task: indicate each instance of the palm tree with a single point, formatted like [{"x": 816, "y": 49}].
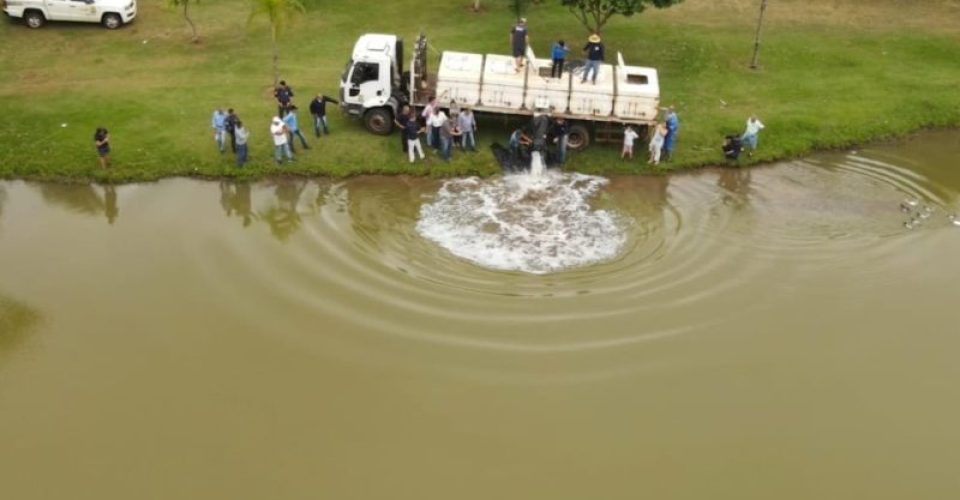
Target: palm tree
[
  {"x": 278, "y": 13},
  {"x": 186, "y": 15}
]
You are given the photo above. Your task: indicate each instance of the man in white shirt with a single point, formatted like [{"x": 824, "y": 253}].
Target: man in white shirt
[
  {"x": 629, "y": 136},
  {"x": 434, "y": 124},
  {"x": 749, "y": 139},
  {"x": 281, "y": 147}
]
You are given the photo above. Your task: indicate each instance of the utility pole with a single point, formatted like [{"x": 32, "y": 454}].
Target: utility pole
[{"x": 756, "y": 41}]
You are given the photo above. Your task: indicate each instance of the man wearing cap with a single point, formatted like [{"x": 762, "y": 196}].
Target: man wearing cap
[
  {"x": 594, "y": 51},
  {"x": 519, "y": 38}
]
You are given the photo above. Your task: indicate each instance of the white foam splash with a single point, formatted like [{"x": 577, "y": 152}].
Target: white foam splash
[
  {"x": 535, "y": 224},
  {"x": 537, "y": 167}
]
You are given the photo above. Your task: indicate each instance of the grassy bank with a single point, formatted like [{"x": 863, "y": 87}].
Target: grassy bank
[{"x": 833, "y": 73}]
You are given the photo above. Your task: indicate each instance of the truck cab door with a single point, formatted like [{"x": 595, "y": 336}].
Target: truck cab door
[
  {"x": 366, "y": 84},
  {"x": 61, "y": 10},
  {"x": 85, "y": 10}
]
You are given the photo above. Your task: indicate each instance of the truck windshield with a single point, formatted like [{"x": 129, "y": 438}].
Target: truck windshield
[
  {"x": 365, "y": 72},
  {"x": 346, "y": 71}
]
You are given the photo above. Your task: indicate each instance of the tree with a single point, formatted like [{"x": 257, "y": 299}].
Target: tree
[
  {"x": 186, "y": 15},
  {"x": 593, "y": 14},
  {"x": 278, "y": 13}
]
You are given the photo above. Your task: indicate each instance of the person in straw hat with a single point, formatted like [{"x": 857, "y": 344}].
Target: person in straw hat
[{"x": 594, "y": 51}]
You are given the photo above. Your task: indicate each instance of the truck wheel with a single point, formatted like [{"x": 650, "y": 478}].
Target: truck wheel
[
  {"x": 578, "y": 138},
  {"x": 378, "y": 120},
  {"x": 111, "y": 21},
  {"x": 34, "y": 19}
]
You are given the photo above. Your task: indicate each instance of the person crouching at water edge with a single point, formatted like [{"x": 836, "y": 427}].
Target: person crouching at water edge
[
  {"x": 281, "y": 146},
  {"x": 629, "y": 136}
]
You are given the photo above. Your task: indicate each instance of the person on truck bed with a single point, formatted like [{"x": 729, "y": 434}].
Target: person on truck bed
[
  {"x": 559, "y": 53},
  {"x": 519, "y": 38},
  {"x": 594, "y": 51}
]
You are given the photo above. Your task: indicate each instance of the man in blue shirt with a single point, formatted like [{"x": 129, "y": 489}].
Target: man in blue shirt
[
  {"x": 293, "y": 124},
  {"x": 673, "y": 127},
  {"x": 219, "y": 124},
  {"x": 560, "y": 50}
]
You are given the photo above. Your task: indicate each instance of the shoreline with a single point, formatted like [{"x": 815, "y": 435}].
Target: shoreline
[{"x": 260, "y": 175}]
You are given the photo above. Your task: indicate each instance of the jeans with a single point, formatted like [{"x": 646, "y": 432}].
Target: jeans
[
  {"x": 445, "y": 143},
  {"x": 469, "y": 141},
  {"x": 434, "y": 139},
  {"x": 750, "y": 140},
  {"x": 562, "y": 148},
  {"x": 297, "y": 133},
  {"x": 413, "y": 145},
  {"x": 320, "y": 121},
  {"x": 429, "y": 136},
  {"x": 280, "y": 151},
  {"x": 593, "y": 66},
  {"x": 219, "y": 138},
  {"x": 241, "y": 154}
]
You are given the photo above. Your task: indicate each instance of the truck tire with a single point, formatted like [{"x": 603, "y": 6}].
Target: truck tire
[
  {"x": 34, "y": 18},
  {"x": 111, "y": 21},
  {"x": 578, "y": 138},
  {"x": 379, "y": 121}
]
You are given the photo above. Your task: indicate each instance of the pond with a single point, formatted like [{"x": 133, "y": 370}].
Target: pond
[{"x": 787, "y": 332}]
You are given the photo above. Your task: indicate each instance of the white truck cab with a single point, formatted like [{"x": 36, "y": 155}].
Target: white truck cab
[
  {"x": 110, "y": 13},
  {"x": 371, "y": 86}
]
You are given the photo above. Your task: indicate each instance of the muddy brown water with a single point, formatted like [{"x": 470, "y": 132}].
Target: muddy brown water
[{"x": 766, "y": 333}]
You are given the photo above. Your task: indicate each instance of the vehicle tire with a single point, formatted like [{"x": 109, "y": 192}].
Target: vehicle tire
[
  {"x": 34, "y": 19},
  {"x": 378, "y": 120},
  {"x": 111, "y": 21},
  {"x": 578, "y": 138}
]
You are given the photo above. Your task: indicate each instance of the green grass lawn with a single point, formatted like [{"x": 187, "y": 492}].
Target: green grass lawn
[{"x": 832, "y": 74}]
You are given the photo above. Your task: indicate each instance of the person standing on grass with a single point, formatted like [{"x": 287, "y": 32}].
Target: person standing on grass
[
  {"x": 242, "y": 134},
  {"x": 447, "y": 135},
  {"x": 281, "y": 144},
  {"x": 519, "y": 39},
  {"x": 559, "y": 134},
  {"x": 467, "y": 123},
  {"x": 594, "y": 51},
  {"x": 284, "y": 95},
  {"x": 401, "y": 122},
  {"x": 293, "y": 126},
  {"x": 673, "y": 128},
  {"x": 230, "y": 124},
  {"x": 101, "y": 140},
  {"x": 629, "y": 136},
  {"x": 318, "y": 108},
  {"x": 656, "y": 142},
  {"x": 219, "y": 123},
  {"x": 435, "y": 122},
  {"x": 754, "y": 126},
  {"x": 559, "y": 53},
  {"x": 411, "y": 132},
  {"x": 426, "y": 115}
]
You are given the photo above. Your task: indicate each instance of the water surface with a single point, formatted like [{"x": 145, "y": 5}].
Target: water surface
[{"x": 761, "y": 333}]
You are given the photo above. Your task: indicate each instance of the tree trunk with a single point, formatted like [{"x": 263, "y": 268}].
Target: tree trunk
[
  {"x": 476, "y": 5},
  {"x": 193, "y": 28},
  {"x": 756, "y": 40},
  {"x": 276, "y": 70}
]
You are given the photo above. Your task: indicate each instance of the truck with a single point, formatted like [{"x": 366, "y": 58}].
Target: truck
[
  {"x": 374, "y": 86},
  {"x": 112, "y": 14}
]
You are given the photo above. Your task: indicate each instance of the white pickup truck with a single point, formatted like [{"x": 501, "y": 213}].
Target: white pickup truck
[
  {"x": 374, "y": 86},
  {"x": 110, "y": 13}
]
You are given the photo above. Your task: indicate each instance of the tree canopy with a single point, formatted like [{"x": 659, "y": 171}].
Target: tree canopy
[{"x": 593, "y": 14}]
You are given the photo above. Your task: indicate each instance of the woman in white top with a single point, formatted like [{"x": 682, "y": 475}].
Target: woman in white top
[
  {"x": 656, "y": 142},
  {"x": 749, "y": 139}
]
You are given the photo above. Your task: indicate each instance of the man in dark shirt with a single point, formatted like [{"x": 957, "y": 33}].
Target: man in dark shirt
[
  {"x": 401, "y": 122},
  {"x": 519, "y": 38},
  {"x": 318, "y": 108},
  {"x": 558, "y": 136},
  {"x": 594, "y": 51},
  {"x": 230, "y": 124},
  {"x": 284, "y": 94}
]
